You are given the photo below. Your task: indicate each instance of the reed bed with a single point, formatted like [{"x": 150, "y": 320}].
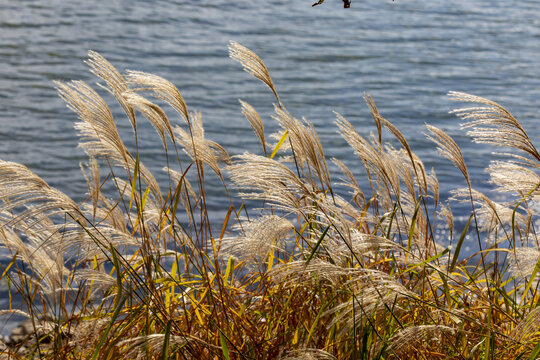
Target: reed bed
[{"x": 141, "y": 271}]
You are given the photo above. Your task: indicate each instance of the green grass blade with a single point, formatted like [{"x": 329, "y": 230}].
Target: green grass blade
[
  {"x": 317, "y": 244},
  {"x": 413, "y": 224},
  {"x": 460, "y": 243},
  {"x": 390, "y": 221},
  {"x": 165, "y": 350},
  {"x": 108, "y": 329},
  {"x": 8, "y": 281},
  {"x": 531, "y": 280},
  {"x": 178, "y": 192},
  {"x": 116, "y": 265},
  {"x": 145, "y": 196},
  {"x": 425, "y": 262},
  {"x": 535, "y": 352},
  {"x": 224, "y": 347},
  {"x": 229, "y": 269},
  {"x": 133, "y": 182}
]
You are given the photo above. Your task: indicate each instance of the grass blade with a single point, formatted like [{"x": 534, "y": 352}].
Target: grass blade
[
  {"x": 119, "y": 307},
  {"x": 116, "y": 264},
  {"x": 279, "y": 144},
  {"x": 134, "y": 181},
  {"x": 224, "y": 347},
  {"x": 460, "y": 243},
  {"x": 165, "y": 350},
  {"x": 317, "y": 244}
]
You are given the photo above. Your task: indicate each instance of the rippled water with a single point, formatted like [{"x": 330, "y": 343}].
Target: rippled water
[{"x": 406, "y": 54}]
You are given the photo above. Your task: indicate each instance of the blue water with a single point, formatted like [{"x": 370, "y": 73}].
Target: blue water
[{"x": 406, "y": 54}]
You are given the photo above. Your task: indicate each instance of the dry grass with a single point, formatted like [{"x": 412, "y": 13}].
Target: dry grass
[{"x": 143, "y": 272}]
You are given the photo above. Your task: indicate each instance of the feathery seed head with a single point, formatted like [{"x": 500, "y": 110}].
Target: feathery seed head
[{"x": 252, "y": 64}]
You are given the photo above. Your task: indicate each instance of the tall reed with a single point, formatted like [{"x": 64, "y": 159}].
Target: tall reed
[{"x": 139, "y": 270}]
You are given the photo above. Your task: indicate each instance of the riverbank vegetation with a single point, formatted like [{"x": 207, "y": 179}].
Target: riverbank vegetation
[{"x": 141, "y": 270}]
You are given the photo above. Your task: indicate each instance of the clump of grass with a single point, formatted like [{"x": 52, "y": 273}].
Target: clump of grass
[{"x": 141, "y": 271}]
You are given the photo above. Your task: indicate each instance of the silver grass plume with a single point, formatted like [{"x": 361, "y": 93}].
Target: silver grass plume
[
  {"x": 98, "y": 132},
  {"x": 509, "y": 176},
  {"x": 390, "y": 127},
  {"x": 302, "y": 272},
  {"x": 15, "y": 312},
  {"x": 285, "y": 146},
  {"x": 528, "y": 327},
  {"x": 262, "y": 178},
  {"x": 412, "y": 160},
  {"x": 403, "y": 170},
  {"x": 96, "y": 280},
  {"x": 375, "y": 292},
  {"x": 337, "y": 218},
  {"x": 493, "y": 124},
  {"x": 448, "y": 148},
  {"x": 162, "y": 88},
  {"x": 97, "y": 125},
  {"x": 107, "y": 213},
  {"x": 414, "y": 336},
  {"x": 138, "y": 347},
  {"x": 411, "y": 173},
  {"x": 256, "y": 123},
  {"x": 93, "y": 242},
  {"x": 252, "y": 64},
  {"x": 259, "y": 238},
  {"x": 306, "y": 146},
  {"x": 153, "y": 113},
  {"x": 368, "y": 244},
  {"x": 198, "y": 147},
  {"x": 88, "y": 331},
  {"x": 93, "y": 182},
  {"x": 491, "y": 214},
  {"x": 523, "y": 261},
  {"x": 446, "y": 213},
  {"x": 350, "y": 181},
  {"x": 21, "y": 187},
  {"x": 375, "y": 115},
  {"x": 432, "y": 183},
  {"x": 308, "y": 354},
  {"x": 373, "y": 158},
  {"x": 313, "y": 272},
  {"x": 394, "y": 168},
  {"x": 423, "y": 180},
  {"x": 50, "y": 273},
  {"x": 117, "y": 84},
  {"x": 102, "y": 210}
]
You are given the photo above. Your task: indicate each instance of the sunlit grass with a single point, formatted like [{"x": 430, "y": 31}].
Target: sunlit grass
[{"x": 145, "y": 272}]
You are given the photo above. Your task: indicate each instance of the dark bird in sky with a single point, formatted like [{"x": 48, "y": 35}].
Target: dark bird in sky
[{"x": 346, "y": 3}]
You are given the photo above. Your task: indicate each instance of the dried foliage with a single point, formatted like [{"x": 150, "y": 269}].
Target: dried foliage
[{"x": 138, "y": 272}]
